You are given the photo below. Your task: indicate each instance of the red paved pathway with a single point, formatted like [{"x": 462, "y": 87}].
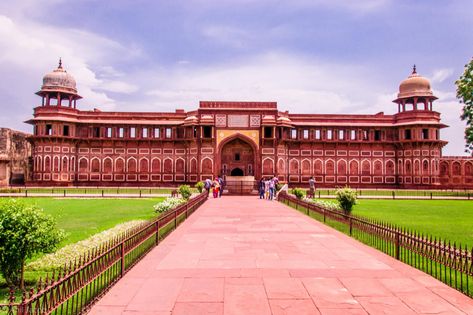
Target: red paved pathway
[{"x": 241, "y": 255}]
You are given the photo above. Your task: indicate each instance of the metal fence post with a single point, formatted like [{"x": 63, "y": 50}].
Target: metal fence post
[
  {"x": 397, "y": 245},
  {"x": 102, "y": 192},
  {"x": 26, "y": 193},
  {"x": 324, "y": 214},
  {"x": 175, "y": 219},
  {"x": 394, "y": 195},
  {"x": 122, "y": 258},
  {"x": 430, "y": 195},
  {"x": 351, "y": 225},
  {"x": 157, "y": 232}
]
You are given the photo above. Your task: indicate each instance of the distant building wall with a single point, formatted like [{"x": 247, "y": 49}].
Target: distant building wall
[{"x": 15, "y": 153}]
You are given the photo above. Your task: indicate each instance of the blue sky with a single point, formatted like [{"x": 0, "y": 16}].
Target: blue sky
[{"x": 311, "y": 56}]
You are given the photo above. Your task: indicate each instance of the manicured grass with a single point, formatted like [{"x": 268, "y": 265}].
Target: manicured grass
[
  {"x": 81, "y": 218},
  {"x": 448, "y": 219}
]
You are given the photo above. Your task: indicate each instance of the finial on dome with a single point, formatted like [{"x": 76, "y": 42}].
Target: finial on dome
[
  {"x": 414, "y": 69},
  {"x": 60, "y": 63}
]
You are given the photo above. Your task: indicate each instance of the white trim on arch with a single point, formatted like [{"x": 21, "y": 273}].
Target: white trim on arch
[
  {"x": 175, "y": 165},
  {"x": 128, "y": 162},
  {"x": 115, "y": 164},
  {"x": 139, "y": 164},
  {"x": 172, "y": 165}
]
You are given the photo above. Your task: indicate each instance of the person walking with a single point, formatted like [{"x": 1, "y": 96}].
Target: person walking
[
  {"x": 208, "y": 185},
  {"x": 271, "y": 188},
  {"x": 266, "y": 188},
  {"x": 311, "y": 187},
  {"x": 222, "y": 185},
  {"x": 216, "y": 186},
  {"x": 261, "y": 188}
]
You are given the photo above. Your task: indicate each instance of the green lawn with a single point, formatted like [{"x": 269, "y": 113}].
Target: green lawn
[
  {"x": 448, "y": 219},
  {"x": 81, "y": 218}
]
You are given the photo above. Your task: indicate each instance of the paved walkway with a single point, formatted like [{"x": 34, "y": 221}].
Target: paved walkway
[{"x": 241, "y": 255}]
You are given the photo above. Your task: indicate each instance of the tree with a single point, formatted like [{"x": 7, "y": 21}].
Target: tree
[
  {"x": 465, "y": 95},
  {"x": 25, "y": 230}
]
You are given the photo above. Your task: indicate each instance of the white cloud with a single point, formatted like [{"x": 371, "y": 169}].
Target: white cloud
[
  {"x": 32, "y": 50},
  {"x": 441, "y": 75}
]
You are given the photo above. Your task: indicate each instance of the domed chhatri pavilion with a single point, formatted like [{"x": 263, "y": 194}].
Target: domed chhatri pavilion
[{"x": 251, "y": 139}]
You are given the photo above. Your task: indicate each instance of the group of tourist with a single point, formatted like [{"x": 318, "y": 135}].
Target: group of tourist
[
  {"x": 267, "y": 188},
  {"x": 217, "y": 186}
]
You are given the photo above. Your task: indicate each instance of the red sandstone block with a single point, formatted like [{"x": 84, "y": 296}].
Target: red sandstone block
[
  {"x": 198, "y": 308},
  {"x": 293, "y": 307},
  {"x": 285, "y": 288},
  {"x": 201, "y": 290},
  {"x": 246, "y": 299}
]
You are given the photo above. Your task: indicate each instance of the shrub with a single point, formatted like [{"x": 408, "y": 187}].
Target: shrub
[
  {"x": 71, "y": 252},
  {"x": 200, "y": 186},
  {"x": 24, "y": 231},
  {"x": 185, "y": 191},
  {"x": 298, "y": 192},
  {"x": 168, "y": 204},
  {"x": 330, "y": 205},
  {"x": 347, "y": 198}
]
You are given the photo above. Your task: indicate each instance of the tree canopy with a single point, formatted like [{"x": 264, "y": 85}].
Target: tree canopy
[
  {"x": 465, "y": 95},
  {"x": 25, "y": 230}
]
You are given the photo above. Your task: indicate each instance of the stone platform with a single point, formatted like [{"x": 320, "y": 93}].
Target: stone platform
[{"x": 242, "y": 255}]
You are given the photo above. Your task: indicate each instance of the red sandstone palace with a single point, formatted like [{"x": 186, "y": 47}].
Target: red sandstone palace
[{"x": 404, "y": 150}]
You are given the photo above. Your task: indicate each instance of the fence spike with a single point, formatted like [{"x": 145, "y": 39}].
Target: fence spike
[
  {"x": 11, "y": 296},
  {"x": 31, "y": 293},
  {"x": 40, "y": 285},
  {"x": 23, "y": 296}
]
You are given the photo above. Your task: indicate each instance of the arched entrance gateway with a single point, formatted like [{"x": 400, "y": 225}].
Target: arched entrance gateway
[
  {"x": 238, "y": 158},
  {"x": 238, "y": 163}
]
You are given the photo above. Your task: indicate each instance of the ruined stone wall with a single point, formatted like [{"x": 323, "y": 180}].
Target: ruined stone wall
[{"x": 15, "y": 153}]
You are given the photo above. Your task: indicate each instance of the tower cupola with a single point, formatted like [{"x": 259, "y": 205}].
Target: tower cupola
[
  {"x": 415, "y": 93},
  {"x": 59, "y": 88}
]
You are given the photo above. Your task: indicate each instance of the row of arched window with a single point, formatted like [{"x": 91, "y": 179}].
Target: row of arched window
[{"x": 58, "y": 164}]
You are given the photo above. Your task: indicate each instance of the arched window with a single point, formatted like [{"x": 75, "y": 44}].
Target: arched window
[
  {"x": 268, "y": 166},
  {"x": 144, "y": 166},
  {"x": 330, "y": 168},
  {"x": 56, "y": 164},
  {"x": 378, "y": 168},
  {"x": 341, "y": 167},
  {"x": 47, "y": 164},
  {"x": 95, "y": 166},
  {"x": 354, "y": 168},
  {"x": 83, "y": 165},
  {"x": 207, "y": 166},
  {"x": 456, "y": 169},
  {"x": 294, "y": 167},
  {"x": 193, "y": 168},
  {"x": 425, "y": 167},
  {"x": 389, "y": 168},
  {"x": 281, "y": 166},
  {"x": 180, "y": 166},
  {"x": 318, "y": 167},
  {"x": 119, "y": 166},
  {"x": 65, "y": 164},
  {"x": 167, "y": 166},
  {"x": 156, "y": 166},
  {"x": 305, "y": 166},
  {"x": 366, "y": 168},
  {"x": 107, "y": 165},
  {"x": 443, "y": 169},
  {"x": 131, "y": 167}
]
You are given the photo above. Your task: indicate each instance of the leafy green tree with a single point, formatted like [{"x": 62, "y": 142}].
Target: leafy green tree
[
  {"x": 200, "y": 186},
  {"x": 465, "y": 95},
  {"x": 25, "y": 230}
]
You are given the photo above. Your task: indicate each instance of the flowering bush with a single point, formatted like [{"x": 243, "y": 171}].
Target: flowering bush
[
  {"x": 347, "y": 198},
  {"x": 168, "y": 204},
  {"x": 71, "y": 252},
  {"x": 330, "y": 205}
]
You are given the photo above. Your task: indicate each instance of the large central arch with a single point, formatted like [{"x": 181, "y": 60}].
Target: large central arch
[{"x": 238, "y": 152}]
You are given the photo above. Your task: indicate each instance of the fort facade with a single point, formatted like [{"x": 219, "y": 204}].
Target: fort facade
[{"x": 404, "y": 150}]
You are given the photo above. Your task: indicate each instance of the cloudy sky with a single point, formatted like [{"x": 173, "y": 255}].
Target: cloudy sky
[{"x": 311, "y": 56}]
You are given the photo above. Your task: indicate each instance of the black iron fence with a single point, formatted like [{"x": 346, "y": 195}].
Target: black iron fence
[
  {"x": 74, "y": 288},
  {"x": 449, "y": 262}
]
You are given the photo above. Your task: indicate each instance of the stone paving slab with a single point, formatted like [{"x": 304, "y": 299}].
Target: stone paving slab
[{"x": 242, "y": 255}]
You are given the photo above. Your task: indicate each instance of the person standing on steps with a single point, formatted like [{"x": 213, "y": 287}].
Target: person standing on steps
[{"x": 208, "y": 185}]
